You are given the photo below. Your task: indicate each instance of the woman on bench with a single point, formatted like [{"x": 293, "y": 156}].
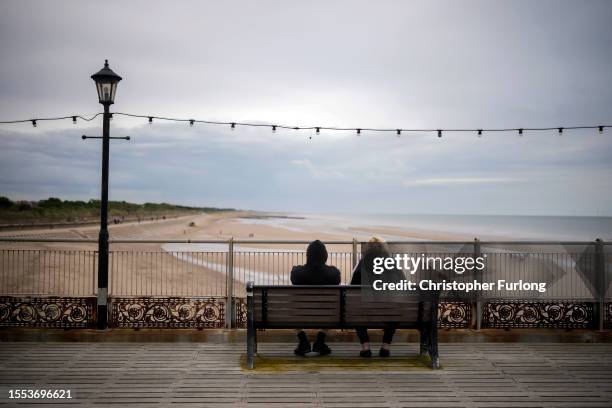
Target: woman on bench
[
  {"x": 375, "y": 247},
  {"x": 315, "y": 272}
]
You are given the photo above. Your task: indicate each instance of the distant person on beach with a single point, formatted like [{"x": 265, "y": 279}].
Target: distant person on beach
[
  {"x": 315, "y": 272},
  {"x": 374, "y": 248}
]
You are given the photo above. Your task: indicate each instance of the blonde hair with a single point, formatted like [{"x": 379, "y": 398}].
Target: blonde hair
[{"x": 376, "y": 243}]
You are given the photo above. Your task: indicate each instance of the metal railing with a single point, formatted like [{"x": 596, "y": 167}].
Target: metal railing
[
  {"x": 48, "y": 272},
  {"x": 220, "y": 268},
  {"x": 167, "y": 273},
  {"x": 190, "y": 269}
]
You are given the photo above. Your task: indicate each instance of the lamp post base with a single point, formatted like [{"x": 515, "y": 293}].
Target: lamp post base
[{"x": 102, "y": 317}]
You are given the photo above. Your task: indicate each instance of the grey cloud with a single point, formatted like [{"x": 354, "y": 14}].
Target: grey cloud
[{"x": 343, "y": 63}]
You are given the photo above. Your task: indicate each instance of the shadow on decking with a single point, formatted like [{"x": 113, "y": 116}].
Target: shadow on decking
[{"x": 316, "y": 363}]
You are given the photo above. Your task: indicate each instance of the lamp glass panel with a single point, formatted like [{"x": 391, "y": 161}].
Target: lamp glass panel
[
  {"x": 106, "y": 95},
  {"x": 106, "y": 91}
]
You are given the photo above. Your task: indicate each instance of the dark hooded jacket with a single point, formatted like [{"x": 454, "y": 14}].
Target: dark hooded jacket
[{"x": 315, "y": 272}]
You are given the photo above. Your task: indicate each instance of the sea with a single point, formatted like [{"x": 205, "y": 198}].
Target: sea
[{"x": 511, "y": 227}]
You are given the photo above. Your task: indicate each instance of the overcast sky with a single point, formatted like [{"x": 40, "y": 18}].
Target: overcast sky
[{"x": 357, "y": 64}]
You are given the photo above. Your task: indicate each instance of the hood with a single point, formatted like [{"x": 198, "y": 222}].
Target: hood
[{"x": 316, "y": 254}]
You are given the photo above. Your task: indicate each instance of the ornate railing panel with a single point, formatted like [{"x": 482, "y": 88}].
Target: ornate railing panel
[
  {"x": 240, "y": 310},
  {"x": 209, "y": 312},
  {"x": 525, "y": 314},
  {"x": 454, "y": 314},
  {"x": 450, "y": 314},
  {"x": 59, "y": 312},
  {"x": 167, "y": 312}
]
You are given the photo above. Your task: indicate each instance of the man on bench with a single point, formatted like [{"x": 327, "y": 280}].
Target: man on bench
[{"x": 315, "y": 272}]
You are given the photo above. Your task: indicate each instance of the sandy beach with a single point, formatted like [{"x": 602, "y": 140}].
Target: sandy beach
[
  {"x": 68, "y": 268},
  {"x": 199, "y": 269}
]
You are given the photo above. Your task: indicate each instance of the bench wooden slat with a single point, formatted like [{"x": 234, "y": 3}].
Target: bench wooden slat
[
  {"x": 369, "y": 322},
  {"x": 300, "y": 291},
  {"x": 303, "y": 312},
  {"x": 383, "y": 306},
  {"x": 289, "y": 301},
  {"x": 300, "y": 319},
  {"x": 408, "y": 316},
  {"x": 301, "y": 298}
]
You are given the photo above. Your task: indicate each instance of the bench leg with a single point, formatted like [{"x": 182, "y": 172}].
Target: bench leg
[
  {"x": 251, "y": 333},
  {"x": 433, "y": 347},
  {"x": 435, "y": 359},
  {"x": 433, "y": 339},
  {"x": 250, "y": 347},
  {"x": 424, "y": 341},
  {"x": 255, "y": 341}
]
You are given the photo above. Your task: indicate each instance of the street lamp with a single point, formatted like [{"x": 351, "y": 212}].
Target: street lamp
[{"x": 106, "y": 85}]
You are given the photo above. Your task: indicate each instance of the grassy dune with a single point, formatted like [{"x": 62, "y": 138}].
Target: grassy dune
[{"x": 55, "y": 210}]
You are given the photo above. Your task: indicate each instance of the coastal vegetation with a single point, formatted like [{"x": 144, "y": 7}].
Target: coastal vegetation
[{"x": 55, "y": 210}]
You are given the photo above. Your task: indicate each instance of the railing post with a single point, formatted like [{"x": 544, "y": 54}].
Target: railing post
[
  {"x": 229, "y": 286},
  {"x": 354, "y": 254},
  {"x": 251, "y": 333},
  {"x": 600, "y": 274},
  {"x": 478, "y": 311}
]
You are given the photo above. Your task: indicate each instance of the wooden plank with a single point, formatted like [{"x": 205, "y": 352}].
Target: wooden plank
[
  {"x": 275, "y": 319},
  {"x": 293, "y": 291},
  {"x": 210, "y": 374},
  {"x": 306, "y": 311},
  {"x": 304, "y": 294},
  {"x": 289, "y": 302}
]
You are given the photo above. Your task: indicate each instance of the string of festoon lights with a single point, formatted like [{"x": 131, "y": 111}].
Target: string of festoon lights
[{"x": 358, "y": 130}]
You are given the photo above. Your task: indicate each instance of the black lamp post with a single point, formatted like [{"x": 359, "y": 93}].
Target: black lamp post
[{"x": 106, "y": 84}]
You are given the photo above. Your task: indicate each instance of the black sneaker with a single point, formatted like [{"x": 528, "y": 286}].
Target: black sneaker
[
  {"x": 365, "y": 353},
  {"x": 302, "y": 349},
  {"x": 303, "y": 344},
  {"x": 321, "y": 348},
  {"x": 383, "y": 352}
]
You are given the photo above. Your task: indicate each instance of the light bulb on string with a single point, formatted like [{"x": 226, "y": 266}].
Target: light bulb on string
[{"x": 317, "y": 130}]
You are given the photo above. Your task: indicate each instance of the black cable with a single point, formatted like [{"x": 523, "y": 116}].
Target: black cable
[
  {"x": 56, "y": 118},
  {"x": 358, "y": 130},
  {"x": 274, "y": 127}
]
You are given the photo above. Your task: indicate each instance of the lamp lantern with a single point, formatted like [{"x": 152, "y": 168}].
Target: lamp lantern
[{"x": 106, "y": 84}]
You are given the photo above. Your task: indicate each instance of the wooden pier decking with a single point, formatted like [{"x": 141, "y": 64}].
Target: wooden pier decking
[{"x": 213, "y": 375}]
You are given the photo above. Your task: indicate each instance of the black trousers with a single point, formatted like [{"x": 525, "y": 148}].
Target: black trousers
[{"x": 362, "y": 333}]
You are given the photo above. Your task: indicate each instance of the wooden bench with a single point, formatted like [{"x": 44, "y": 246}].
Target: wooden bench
[{"x": 336, "y": 307}]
